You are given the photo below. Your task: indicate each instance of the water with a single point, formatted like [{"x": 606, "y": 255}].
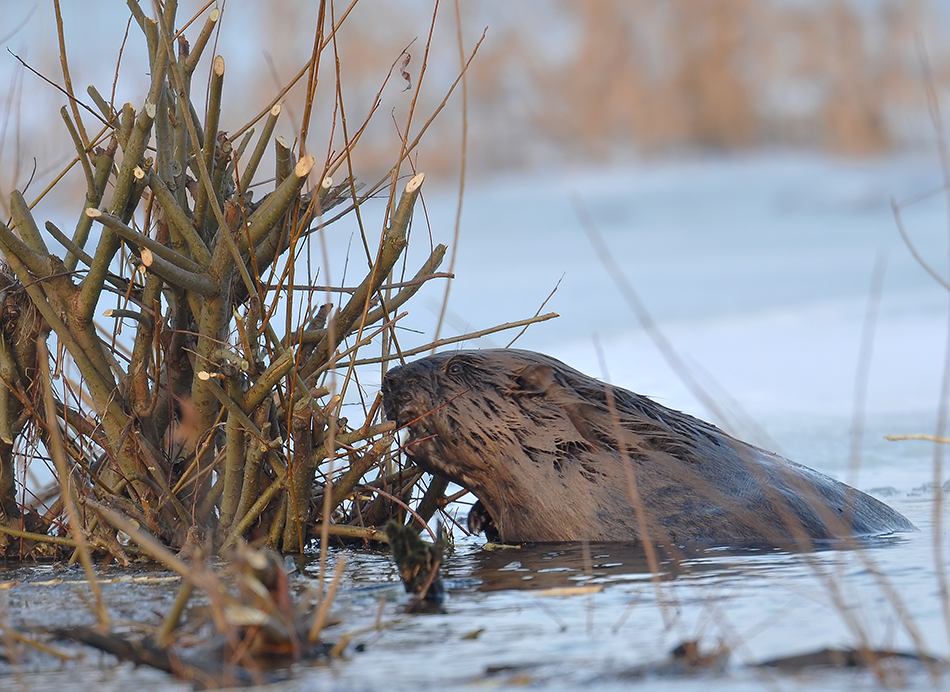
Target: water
[
  {"x": 758, "y": 272},
  {"x": 505, "y": 625}
]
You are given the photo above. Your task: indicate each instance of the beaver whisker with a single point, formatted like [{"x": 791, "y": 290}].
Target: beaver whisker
[
  {"x": 418, "y": 417},
  {"x": 414, "y": 441}
]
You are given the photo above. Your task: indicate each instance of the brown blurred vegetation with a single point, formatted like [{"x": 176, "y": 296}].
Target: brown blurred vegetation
[
  {"x": 726, "y": 74},
  {"x": 607, "y": 80},
  {"x": 558, "y": 81}
]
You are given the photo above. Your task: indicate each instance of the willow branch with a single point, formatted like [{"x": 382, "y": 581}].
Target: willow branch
[
  {"x": 190, "y": 281},
  {"x": 40, "y": 537},
  {"x": 276, "y": 205},
  {"x": 164, "y": 153},
  {"x": 164, "y": 52},
  {"x": 284, "y": 159},
  {"x": 108, "y": 114},
  {"x": 314, "y": 370},
  {"x": 410, "y": 288},
  {"x": 9, "y": 410},
  {"x": 235, "y": 452},
  {"x": 148, "y": 543},
  {"x": 462, "y": 337},
  {"x": 238, "y": 154},
  {"x": 132, "y": 156},
  {"x": 104, "y": 162},
  {"x": 99, "y": 379},
  {"x": 146, "y": 24},
  {"x": 258, "y": 154},
  {"x": 54, "y": 441},
  {"x": 279, "y": 239},
  {"x": 262, "y": 388},
  {"x": 26, "y": 225},
  {"x": 213, "y": 117},
  {"x": 259, "y": 506},
  {"x": 204, "y": 174},
  {"x": 919, "y": 436},
  {"x": 257, "y": 448},
  {"x": 397, "y": 301},
  {"x": 143, "y": 319},
  {"x": 78, "y": 143},
  {"x": 34, "y": 264},
  {"x": 432, "y": 499},
  {"x": 64, "y": 240},
  {"x": 393, "y": 243},
  {"x": 143, "y": 241},
  {"x": 191, "y": 62},
  {"x": 179, "y": 224},
  {"x": 364, "y": 532},
  {"x": 91, "y": 286},
  {"x": 343, "y": 487}
]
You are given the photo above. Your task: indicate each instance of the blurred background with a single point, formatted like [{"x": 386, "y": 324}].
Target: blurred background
[
  {"x": 739, "y": 158},
  {"x": 555, "y": 82}
]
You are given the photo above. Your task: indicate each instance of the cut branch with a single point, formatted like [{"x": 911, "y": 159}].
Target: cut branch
[
  {"x": 143, "y": 241},
  {"x": 393, "y": 243}
]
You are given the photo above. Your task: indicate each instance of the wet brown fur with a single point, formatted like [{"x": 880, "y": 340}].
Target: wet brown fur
[{"x": 555, "y": 455}]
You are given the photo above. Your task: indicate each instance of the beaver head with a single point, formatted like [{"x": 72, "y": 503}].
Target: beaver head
[{"x": 528, "y": 436}]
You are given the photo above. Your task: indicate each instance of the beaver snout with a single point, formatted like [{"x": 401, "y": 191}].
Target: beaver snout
[
  {"x": 393, "y": 396},
  {"x": 408, "y": 391},
  {"x": 400, "y": 394}
]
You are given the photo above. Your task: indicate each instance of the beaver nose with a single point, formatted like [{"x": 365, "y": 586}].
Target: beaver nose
[
  {"x": 401, "y": 377},
  {"x": 394, "y": 396}
]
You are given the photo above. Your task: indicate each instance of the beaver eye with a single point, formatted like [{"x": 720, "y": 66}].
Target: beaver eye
[{"x": 455, "y": 369}]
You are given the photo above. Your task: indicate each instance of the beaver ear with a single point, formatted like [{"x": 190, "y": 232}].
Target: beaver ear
[
  {"x": 535, "y": 379},
  {"x": 584, "y": 416}
]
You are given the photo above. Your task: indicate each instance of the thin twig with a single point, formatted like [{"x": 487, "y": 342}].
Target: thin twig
[
  {"x": 919, "y": 436},
  {"x": 456, "y": 339}
]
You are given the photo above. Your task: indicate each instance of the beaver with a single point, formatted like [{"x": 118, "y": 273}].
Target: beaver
[{"x": 554, "y": 455}]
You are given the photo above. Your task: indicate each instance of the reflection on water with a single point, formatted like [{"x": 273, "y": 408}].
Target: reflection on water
[
  {"x": 510, "y": 620},
  {"x": 551, "y": 566},
  {"x": 558, "y": 566}
]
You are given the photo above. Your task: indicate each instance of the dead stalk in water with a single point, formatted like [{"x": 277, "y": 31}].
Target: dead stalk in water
[{"x": 943, "y": 411}]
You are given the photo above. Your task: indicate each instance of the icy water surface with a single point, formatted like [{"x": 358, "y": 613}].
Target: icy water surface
[
  {"x": 509, "y": 621},
  {"x": 758, "y": 272}
]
